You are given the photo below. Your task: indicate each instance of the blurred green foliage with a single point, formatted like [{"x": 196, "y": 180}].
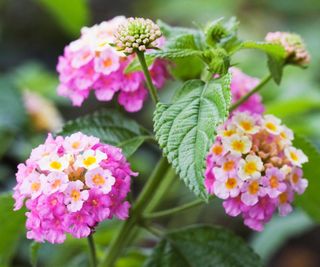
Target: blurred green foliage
[{"x": 27, "y": 62}]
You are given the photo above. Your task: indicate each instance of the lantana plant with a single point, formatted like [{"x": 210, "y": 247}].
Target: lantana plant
[{"x": 214, "y": 135}]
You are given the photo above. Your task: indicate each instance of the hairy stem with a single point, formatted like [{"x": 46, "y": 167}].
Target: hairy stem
[
  {"x": 92, "y": 249},
  {"x": 243, "y": 99},
  {"x": 152, "y": 89},
  {"x": 174, "y": 210},
  {"x": 121, "y": 240}
]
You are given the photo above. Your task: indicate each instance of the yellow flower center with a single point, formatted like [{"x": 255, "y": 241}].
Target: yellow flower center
[
  {"x": 55, "y": 165},
  {"x": 246, "y": 125},
  {"x": 75, "y": 195},
  {"x": 283, "y": 198},
  {"x": 217, "y": 150},
  {"x": 271, "y": 126},
  {"x": 56, "y": 183},
  {"x": 35, "y": 186},
  {"x": 237, "y": 145},
  {"x": 107, "y": 62},
  {"x": 98, "y": 180},
  {"x": 294, "y": 156},
  {"x": 274, "y": 183},
  {"x": 253, "y": 188},
  {"x": 89, "y": 161},
  {"x": 295, "y": 178},
  {"x": 229, "y": 133},
  {"x": 231, "y": 183},
  {"x": 75, "y": 145},
  {"x": 284, "y": 135},
  {"x": 228, "y": 165},
  {"x": 250, "y": 167}
]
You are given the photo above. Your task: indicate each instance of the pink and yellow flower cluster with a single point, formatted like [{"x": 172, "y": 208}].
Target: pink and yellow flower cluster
[
  {"x": 71, "y": 184},
  {"x": 254, "y": 168},
  {"x": 91, "y": 63}
]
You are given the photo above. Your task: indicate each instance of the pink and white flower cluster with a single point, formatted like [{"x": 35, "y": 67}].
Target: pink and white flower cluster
[
  {"x": 293, "y": 45},
  {"x": 241, "y": 84},
  {"x": 254, "y": 168},
  {"x": 71, "y": 184},
  {"x": 92, "y": 64}
]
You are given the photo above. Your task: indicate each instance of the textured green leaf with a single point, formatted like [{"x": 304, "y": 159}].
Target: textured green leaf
[
  {"x": 12, "y": 226},
  {"x": 310, "y": 200},
  {"x": 71, "y": 14},
  {"x": 204, "y": 246},
  {"x": 135, "y": 65},
  {"x": 274, "y": 50},
  {"x": 112, "y": 127},
  {"x": 180, "y": 42},
  {"x": 176, "y": 53},
  {"x": 185, "y": 129},
  {"x": 276, "y": 56}
]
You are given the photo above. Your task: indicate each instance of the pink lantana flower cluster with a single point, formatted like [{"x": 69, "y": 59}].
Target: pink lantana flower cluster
[
  {"x": 254, "y": 168},
  {"x": 71, "y": 184},
  {"x": 241, "y": 84},
  {"x": 92, "y": 64}
]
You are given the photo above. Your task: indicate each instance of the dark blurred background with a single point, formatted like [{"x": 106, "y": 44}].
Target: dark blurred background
[{"x": 33, "y": 34}]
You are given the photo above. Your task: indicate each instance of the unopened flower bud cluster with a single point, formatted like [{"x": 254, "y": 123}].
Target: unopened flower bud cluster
[
  {"x": 136, "y": 34},
  {"x": 293, "y": 44}
]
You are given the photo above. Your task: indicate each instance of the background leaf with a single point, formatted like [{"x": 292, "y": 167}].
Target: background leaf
[
  {"x": 34, "y": 248},
  {"x": 185, "y": 129},
  {"x": 71, "y": 14},
  {"x": 204, "y": 246},
  {"x": 11, "y": 227},
  {"x": 310, "y": 200},
  {"x": 112, "y": 127}
]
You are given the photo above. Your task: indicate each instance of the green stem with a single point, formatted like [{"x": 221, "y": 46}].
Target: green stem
[
  {"x": 153, "y": 230},
  {"x": 253, "y": 91},
  {"x": 166, "y": 184},
  {"x": 163, "y": 213},
  {"x": 121, "y": 240},
  {"x": 152, "y": 89},
  {"x": 92, "y": 249}
]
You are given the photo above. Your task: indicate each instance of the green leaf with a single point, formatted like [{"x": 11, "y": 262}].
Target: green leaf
[
  {"x": 310, "y": 199},
  {"x": 276, "y": 56},
  {"x": 12, "y": 111},
  {"x": 135, "y": 65},
  {"x": 180, "y": 42},
  {"x": 181, "y": 68},
  {"x": 185, "y": 129},
  {"x": 176, "y": 53},
  {"x": 34, "y": 248},
  {"x": 275, "y": 66},
  {"x": 71, "y": 14},
  {"x": 12, "y": 226},
  {"x": 204, "y": 246},
  {"x": 292, "y": 107},
  {"x": 266, "y": 243},
  {"x": 112, "y": 127}
]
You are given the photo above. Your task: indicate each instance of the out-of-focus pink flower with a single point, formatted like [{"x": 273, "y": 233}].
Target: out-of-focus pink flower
[
  {"x": 71, "y": 184},
  {"x": 92, "y": 64},
  {"x": 254, "y": 168},
  {"x": 241, "y": 84}
]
